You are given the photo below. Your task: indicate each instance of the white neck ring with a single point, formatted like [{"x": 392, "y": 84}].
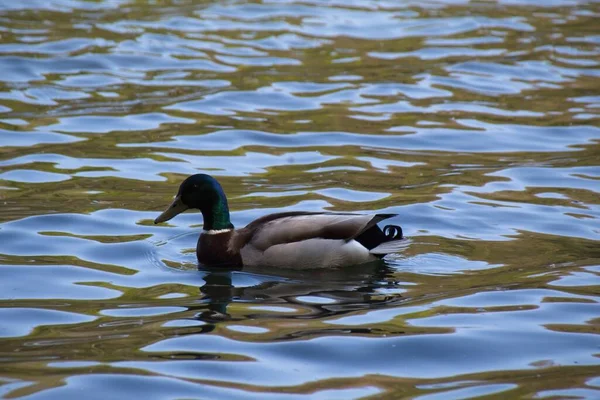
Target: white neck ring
[{"x": 216, "y": 231}]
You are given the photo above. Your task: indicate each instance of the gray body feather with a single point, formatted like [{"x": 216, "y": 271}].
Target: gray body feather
[{"x": 306, "y": 240}]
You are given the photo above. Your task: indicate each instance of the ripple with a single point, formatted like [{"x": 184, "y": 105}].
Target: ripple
[
  {"x": 141, "y": 312},
  {"x": 434, "y": 53},
  {"x": 491, "y": 138},
  {"x": 47, "y": 282},
  {"x": 472, "y": 391},
  {"x": 387, "y": 350},
  {"x": 351, "y": 195},
  {"x": 475, "y": 123},
  {"x": 24, "y": 320},
  {"x": 105, "y": 124},
  {"x": 26, "y": 139},
  {"x": 32, "y": 176},
  {"x": 228, "y": 103}
]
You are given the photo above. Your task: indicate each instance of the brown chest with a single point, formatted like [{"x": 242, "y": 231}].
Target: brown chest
[{"x": 213, "y": 250}]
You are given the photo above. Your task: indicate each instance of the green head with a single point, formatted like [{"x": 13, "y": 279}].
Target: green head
[{"x": 203, "y": 192}]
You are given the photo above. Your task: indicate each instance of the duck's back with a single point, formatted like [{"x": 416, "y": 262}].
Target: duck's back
[{"x": 311, "y": 240}]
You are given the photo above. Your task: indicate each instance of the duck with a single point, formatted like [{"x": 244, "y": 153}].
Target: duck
[{"x": 294, "y": 239}]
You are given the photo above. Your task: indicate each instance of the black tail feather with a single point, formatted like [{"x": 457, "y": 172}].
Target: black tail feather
[{"x": 374, "y": 236}]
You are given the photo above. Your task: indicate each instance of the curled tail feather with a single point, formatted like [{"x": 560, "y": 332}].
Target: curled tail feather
[
  {"x": 393, "y": 232},
  {"x": 379, "y": 241}
]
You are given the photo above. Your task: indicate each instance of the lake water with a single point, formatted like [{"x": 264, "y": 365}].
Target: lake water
[{"x": 477, "y": 122}]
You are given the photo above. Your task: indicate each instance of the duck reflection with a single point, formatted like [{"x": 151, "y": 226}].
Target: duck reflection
[{"x": 318, "y": 293}]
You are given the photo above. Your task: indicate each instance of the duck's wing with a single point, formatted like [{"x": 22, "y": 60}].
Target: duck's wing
[{"x": 292, "y": 227}]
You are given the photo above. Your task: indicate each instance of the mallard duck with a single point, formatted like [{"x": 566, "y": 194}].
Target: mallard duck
[{"x": 285, "y": 240}]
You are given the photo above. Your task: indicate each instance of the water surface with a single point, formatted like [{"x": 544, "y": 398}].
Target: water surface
[{"x": 476, "y": 122}]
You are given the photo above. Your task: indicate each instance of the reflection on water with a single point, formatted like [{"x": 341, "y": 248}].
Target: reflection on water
[{"x": 476, "y": 122}]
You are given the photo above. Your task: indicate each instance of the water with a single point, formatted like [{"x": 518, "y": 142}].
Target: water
[{"x": 476, "y": 122}]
